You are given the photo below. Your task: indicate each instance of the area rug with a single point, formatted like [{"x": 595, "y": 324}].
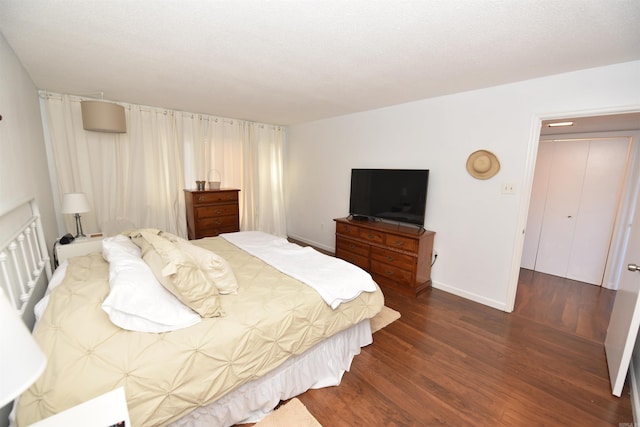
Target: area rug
[
  {"x": 292, "y": 413},
  {"x": 384, "y": 318}
]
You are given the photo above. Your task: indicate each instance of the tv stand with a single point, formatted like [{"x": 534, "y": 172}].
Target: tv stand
[{"x": 397, "y": 256}]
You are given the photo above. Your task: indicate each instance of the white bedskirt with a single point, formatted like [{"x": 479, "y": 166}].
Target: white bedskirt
[{"x": 321, "y": 366}]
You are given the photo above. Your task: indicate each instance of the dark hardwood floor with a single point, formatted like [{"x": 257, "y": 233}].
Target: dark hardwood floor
[{"x": 450, "y": 361}]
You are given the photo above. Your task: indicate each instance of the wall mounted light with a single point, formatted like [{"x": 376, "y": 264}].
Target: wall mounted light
[
  {"x": 22, "y": 360},
  {"x": 101, "y": 116}
]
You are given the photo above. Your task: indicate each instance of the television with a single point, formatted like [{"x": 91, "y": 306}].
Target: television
[{"x": 398, "y": 195}]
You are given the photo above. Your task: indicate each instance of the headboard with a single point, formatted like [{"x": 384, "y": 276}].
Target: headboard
[{"x": 23, "y": 255}]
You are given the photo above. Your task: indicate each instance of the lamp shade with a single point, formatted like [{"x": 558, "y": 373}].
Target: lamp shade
[
  {"x": 21, "y": 360},
  {"x": 73, "y": 203},
  {"x": 100, "y": 116}
]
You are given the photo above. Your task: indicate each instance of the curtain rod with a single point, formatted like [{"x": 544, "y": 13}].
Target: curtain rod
[{"x": 76, "y": 98}]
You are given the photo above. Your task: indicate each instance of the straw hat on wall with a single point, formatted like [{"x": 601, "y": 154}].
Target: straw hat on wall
[{"x": 483, "y": 164}]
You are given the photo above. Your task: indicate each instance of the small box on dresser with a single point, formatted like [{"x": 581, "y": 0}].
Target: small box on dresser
[
  {"x": 211, "y": 212},
  {"x": 397, "y": 256}
]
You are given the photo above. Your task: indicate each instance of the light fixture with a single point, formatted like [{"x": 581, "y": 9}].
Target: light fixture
[
  {"x": 22, "y": 361},
  {"x": 559, "y": 124},
  {"x": 75, "y": 203},
  {"x": 101, "y": 116}
]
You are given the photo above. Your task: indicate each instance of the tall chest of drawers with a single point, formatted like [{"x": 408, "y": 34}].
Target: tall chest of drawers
[
  {"x": 396, "y": 256},
  {"x": 211, "y": 212}
]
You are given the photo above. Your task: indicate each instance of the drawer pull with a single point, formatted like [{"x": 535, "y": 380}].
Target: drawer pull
[
  {"x": 351, "y": 246},
  {"x": 390, "y": 258},
  {"x": 370, "y": 236},
  {"x": 201, "y": 198},
  {"x": 389, "y": 273},
  {"x": 399, "y": 243}
]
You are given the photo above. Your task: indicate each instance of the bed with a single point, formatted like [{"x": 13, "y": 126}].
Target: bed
[{"x": 272, "y": 339}]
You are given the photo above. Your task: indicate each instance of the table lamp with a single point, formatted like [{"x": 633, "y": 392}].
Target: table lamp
[
  {"x": 75, "y": 203},
  {"x": 21, "y": 360}
]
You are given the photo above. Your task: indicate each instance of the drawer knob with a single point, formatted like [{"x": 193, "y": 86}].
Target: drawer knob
[
  {"x": 399, "y": 243},
  {"x": 201, "y": 198},
  {"x": 390, "y": 258},
  {"x": 370, "y": 236},
  {"x": 389, "y": 273}
]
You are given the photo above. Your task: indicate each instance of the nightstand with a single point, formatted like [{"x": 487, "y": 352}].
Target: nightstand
[
  {"x": 78, "y": 247},
  {"x": 109, "y": 409}
]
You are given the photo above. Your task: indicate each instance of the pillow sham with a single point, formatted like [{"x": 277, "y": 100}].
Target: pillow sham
[
  {"x": 136, "y": 300},
  {"x": 178, "y": 272},
  {"x": 216, "y": 268}
]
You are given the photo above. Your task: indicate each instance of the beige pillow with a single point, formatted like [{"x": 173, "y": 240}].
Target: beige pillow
[
  {"x": 178, "y": 272},
  {"x": 213, "y": 265}
]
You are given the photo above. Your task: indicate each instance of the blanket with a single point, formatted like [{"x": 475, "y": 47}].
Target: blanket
[{"x": 167, "y": 375}]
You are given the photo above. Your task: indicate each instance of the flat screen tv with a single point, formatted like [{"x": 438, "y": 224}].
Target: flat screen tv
[{"x": 390, "y": 194}]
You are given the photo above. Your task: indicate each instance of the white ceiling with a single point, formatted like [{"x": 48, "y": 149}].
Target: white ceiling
[{"x": 287, "y": 62}]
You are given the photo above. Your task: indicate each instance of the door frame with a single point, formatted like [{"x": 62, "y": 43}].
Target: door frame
[{"x": 633, "y": 176}]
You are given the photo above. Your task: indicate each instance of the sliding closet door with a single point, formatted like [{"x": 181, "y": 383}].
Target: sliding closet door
[
  {"x": 603, "y": 181},
  {"x": 582, "y": 180},
  {"x": 564, "y": 189},
  {"x": 536, "y": 206}
]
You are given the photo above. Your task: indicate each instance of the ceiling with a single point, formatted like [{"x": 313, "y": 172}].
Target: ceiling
[{"x": 286, "y": 62}]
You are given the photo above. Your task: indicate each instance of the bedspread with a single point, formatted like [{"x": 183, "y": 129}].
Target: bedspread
[{"x": 167, "y": 375}]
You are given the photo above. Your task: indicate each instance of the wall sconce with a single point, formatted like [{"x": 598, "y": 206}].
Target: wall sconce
[
  {"x": 22, "y": 360},
  {"x": 100, "y": 116},
  {"x": 75, "y": 203}
]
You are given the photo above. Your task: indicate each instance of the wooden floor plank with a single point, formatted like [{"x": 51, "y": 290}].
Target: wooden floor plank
[{"x": 450, "y": 361}]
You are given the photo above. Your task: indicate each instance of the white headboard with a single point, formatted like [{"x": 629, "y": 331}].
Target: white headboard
[{"x": 23, "y": 253}]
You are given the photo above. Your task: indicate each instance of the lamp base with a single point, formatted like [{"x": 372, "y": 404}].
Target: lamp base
[{"x": 79, "y": 232}]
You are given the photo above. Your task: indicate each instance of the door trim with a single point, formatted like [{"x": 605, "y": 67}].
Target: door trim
[{"x": 529, "y": 169}]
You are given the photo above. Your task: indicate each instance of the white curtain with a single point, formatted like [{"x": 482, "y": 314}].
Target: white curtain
[
  {"x": 140, "y": 175},
  {"x": 212, "y": 146},
  {"x": 264, "y": 198}
]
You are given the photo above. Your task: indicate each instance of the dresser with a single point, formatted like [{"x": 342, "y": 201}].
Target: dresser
[
  {"x": 396, "y": 256},
  {"x": 211, "y": 212}
]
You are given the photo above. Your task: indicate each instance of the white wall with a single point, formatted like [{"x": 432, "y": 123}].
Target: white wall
[
  {"x": 478, "y": 229},
  {"x": 23, "y": 163},
  {"x": 24, "y": 172}
]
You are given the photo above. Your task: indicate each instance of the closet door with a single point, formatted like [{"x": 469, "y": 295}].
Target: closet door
[
  {"x": 582, "y": 195},
  {"x": 536, "y": 206},
  {"x": 603, "y": 180},
  {"x": 564, "y": 189}
]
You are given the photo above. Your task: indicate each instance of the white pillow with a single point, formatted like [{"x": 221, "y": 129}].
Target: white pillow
[{"x": 137, "y": 301}]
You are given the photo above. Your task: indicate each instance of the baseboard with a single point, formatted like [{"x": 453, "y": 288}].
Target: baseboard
[
  {"x": 470, "y": 296},
  {"x": 635, "y": 393}
]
